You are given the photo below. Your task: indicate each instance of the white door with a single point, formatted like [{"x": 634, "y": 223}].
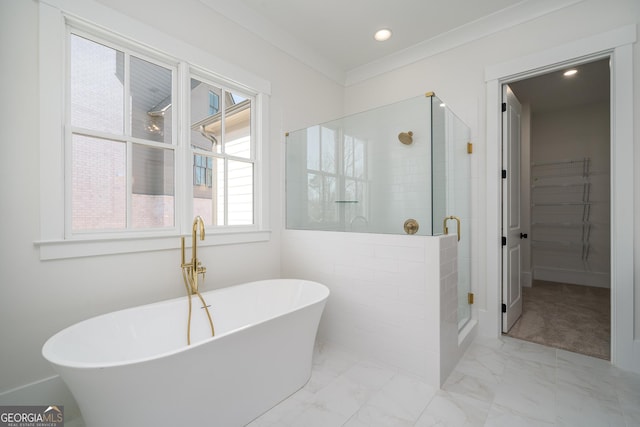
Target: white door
[{"x": 511, "y": 227}]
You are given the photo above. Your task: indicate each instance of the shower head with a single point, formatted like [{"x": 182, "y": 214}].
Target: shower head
[{"x": 406, "y": 137}]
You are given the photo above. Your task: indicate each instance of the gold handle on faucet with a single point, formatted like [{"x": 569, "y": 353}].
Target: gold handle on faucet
[
  {"x": 446, "y": 229},
  {"x": 411, "y": 226}
]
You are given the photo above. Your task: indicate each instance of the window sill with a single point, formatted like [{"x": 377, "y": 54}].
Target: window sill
[{"x": 64, "y": 249}]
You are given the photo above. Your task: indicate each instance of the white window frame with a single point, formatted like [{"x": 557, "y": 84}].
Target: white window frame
[{"x": 55, "y": 240}]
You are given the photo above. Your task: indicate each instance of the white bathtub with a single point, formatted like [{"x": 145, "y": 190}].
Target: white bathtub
[{"x": 134, "y": 368}]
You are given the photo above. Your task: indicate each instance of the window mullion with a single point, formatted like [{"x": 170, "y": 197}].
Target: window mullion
[
  {"x": 184, "y": 158},
  {"x": 66, "y": 143},
  {"x": 127, "y": 133},
  {"x": 226, "y": 190}
]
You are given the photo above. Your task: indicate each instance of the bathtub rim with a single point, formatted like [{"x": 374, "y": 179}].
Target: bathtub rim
[{"x": 46, "y": 350}]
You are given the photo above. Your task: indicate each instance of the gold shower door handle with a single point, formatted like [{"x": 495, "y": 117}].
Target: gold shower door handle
[{"x": 446, "y": 229}]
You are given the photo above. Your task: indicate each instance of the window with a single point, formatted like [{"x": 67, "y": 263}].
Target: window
[
  {"x": 202, "y": 170},
  {"x": 118, "y": 164},
  {"x": 221, "y": 139},
  {"x": 122, "y": 154},
  {"x": 214, "y": 103},
  {"x": 123, "y": 120}
]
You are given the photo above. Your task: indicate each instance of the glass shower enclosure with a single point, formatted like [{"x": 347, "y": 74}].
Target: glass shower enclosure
[{"x": 403, "y": 168}]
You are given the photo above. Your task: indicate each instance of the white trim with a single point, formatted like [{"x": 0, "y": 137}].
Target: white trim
[
  {"x": 556, "y": 57},
  {"x": 622, "y": 207},
  {"x": 61, "y": 249},
  {"x": 53, "y": 15},
  {"x": 618, "y": 45},
  {"x": 97, "y": 14}
]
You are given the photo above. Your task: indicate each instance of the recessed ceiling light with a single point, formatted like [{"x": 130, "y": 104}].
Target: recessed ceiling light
[
  {"x": 571, "y": 72},
  {"x": 382, "y": 34}
]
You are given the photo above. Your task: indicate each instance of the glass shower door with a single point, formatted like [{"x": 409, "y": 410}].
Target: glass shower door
[
  {"x": 459, "y": 192},
  {"x": 451, "y": 194}
]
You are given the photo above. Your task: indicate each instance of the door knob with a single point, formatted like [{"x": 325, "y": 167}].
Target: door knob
[{"x": 523, "y": 236}]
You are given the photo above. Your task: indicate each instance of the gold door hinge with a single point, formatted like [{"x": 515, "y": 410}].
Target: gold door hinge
[
  {"x": 470, "y": 298},
  {"x": 469, "y": 147},
  {"x": 429, "y": 94}
]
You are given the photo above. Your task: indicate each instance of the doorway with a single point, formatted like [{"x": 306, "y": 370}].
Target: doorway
[
  {"x": 563, "y": 197},
  {"x": 618, "y": 45},
  {"x": 558, "y": 290}
]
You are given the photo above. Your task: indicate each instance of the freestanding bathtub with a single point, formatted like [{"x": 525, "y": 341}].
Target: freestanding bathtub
[{"x": 134, "y": 368}]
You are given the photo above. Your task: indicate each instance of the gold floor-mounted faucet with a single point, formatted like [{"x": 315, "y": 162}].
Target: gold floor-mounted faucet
[{"x": 192, "y": 270}]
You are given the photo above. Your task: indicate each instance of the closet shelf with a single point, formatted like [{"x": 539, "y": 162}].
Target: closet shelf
[
  {"x": 577, "y": 185},
  {"x": 561, "y": 208},
  {"x": 562, "y": 204}
]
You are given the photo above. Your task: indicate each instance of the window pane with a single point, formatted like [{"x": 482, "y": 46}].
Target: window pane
[
  {"x": 313, "y": 148},
  {"x": 347, "y": 156},
  {"x": 240, "y": 196},
  {"x": 314, "y": 197},
  {"x": 98, "y": 193},
  {"x": 153, "y": 188},
  {"x": 208, "y": 189},
  {"x": 328, "y": 138},
  {"x": 237, "y": 126},
  {"x": 205, "y": 116},
  {"x": 151, "y": 107},
  {"x": 96, "y": 86},
  {"x": 329, "y": 199},
  {"x": 359, "y": 159}
]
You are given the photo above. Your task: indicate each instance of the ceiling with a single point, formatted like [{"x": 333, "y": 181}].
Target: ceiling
[
  {"x": 342, "y": 30},
  {"x": 336, "y": 36},
  {"x": 553, "y": 91}
]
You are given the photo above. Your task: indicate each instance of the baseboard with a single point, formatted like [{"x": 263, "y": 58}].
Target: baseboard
[
  {"x": 586, "y": 278},
  {"x": 49, "y": 391}
]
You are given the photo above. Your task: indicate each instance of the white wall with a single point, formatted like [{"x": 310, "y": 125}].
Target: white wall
[
  {"x": 38, "y": 298},
  {"x": 458, "y": 77}
]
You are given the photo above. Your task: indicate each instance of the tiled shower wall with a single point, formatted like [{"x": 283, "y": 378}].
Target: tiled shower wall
[{"x": 386, "y": 295}]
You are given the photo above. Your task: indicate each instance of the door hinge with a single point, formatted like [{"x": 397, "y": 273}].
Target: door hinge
[
  {"x": 504, "y": 241},
  {"x": 504, "y": 308},
  {"x": 470, "y": 298},
  {"x": 504, "y": 174},
  {"x": 504, "y": 107}
]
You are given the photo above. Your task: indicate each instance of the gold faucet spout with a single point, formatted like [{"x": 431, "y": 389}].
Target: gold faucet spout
[{"x": 198, "y": 225}]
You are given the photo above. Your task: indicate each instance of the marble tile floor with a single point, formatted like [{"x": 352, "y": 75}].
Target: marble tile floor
[{"x": 499, "y": 382}]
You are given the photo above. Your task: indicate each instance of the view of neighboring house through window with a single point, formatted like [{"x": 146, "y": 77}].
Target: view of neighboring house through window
[
  {"x": 123, "y": 142},
  {"x": 221, "y": 140}
]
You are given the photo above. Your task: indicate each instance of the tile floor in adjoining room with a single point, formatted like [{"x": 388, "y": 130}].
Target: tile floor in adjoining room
[{"x": 499, "y": 382}]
